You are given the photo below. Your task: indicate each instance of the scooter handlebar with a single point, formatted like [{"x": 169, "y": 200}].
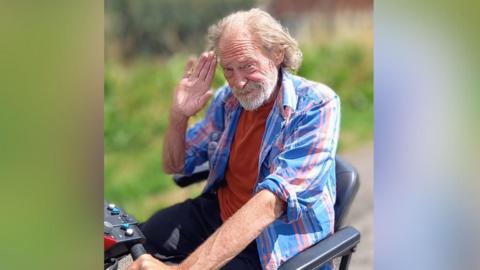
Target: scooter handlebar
[{"x": 137, "y": 250}]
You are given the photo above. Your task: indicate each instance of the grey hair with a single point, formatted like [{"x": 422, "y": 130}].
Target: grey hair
[{"x": 267, "y": 31}]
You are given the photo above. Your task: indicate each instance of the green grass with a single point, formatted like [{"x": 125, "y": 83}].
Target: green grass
[{"x": 137, "y": 101}]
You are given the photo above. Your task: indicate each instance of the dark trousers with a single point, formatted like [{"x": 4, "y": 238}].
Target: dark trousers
[{"x": 175, "y": 232}]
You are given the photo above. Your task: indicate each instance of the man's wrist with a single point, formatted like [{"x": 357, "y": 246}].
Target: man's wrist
[{"x": 177, "y": 116}]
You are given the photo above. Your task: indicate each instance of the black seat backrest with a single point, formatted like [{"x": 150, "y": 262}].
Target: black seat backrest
[{"x": 348, "y": 182}]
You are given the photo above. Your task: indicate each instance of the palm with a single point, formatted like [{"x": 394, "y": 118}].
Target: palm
[{"x": 193, "y": 91}]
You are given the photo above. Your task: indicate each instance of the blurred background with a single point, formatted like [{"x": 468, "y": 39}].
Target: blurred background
[
  {"x": 147, "y": 44},
  {"x": 426, "y": 62}
]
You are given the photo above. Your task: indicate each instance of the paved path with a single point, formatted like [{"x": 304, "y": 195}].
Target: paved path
[{"x": 361, "y": 213}]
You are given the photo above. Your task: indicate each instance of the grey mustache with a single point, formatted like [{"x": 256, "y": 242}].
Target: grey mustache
[{"x": 248, "y": 87}]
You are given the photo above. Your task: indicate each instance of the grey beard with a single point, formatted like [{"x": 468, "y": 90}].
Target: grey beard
[{"x": 265, "y": 93}]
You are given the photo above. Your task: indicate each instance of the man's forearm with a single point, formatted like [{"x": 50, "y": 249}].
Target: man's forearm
[
  {"x": 174, "y": 143},
  {"x": 236, "y": 233}
]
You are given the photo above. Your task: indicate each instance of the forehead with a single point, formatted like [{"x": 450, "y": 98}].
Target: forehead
[{"x": 238, "y": 47}]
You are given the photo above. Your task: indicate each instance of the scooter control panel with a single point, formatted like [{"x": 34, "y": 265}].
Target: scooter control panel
[{"x": 120, "y": 231}]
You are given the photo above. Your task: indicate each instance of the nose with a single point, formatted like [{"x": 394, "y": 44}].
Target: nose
[{"x": 239, "y": 81}]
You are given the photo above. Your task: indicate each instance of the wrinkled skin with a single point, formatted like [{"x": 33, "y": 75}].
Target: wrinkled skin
[
  {"x": 247, "y": 69},
  {"x": 193, "y": 91}
]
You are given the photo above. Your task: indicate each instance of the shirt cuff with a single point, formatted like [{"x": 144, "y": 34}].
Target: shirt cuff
[
  {"x": 189, "y": 164},
  {"x": 286, "y": 192}
]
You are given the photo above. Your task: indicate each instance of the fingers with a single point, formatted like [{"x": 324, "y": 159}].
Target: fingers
[
  {"x": 134, "y": 266},
  {"x": 206, "y": 67},
  {"x": 141, "y": 263},
  {"x": 188, "y": 68},
  {"x": 211, "y": 69},
  {"x": 200, "y": 64}
]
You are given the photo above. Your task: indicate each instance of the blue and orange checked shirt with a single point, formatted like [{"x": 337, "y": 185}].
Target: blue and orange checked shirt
[{"x": 296, "y": 162}]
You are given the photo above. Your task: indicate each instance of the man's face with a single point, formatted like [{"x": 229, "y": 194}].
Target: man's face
[{"x": 249, "y": 72}]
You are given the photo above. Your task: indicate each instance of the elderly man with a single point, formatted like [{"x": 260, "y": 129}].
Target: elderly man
[{"x": 270, "y": 139}]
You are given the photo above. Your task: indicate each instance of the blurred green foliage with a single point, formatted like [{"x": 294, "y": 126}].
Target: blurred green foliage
[
  {"x": 163, "y": 27},
  {"x": 137, "y": 102}
]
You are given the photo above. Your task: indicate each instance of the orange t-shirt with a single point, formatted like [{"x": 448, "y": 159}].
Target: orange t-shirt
[{"x": 242, "y": 169}]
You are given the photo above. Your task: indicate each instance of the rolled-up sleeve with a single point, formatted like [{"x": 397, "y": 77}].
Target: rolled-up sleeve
[{"x": 305, "y": 160}]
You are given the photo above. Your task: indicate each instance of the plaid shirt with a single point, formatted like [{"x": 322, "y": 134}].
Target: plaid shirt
[{"x": 296, "y": 162}]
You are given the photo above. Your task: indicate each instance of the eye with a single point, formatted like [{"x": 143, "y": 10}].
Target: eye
[
  {"x": 228, "y": 71},
  {"x": 250, "y": 67}
]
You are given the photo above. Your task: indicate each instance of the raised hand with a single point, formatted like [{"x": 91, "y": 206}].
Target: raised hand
[{"x": 193, "y": 91}]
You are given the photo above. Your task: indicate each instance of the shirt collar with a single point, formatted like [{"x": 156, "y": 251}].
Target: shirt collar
[{"x": 287, "y": 98}]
